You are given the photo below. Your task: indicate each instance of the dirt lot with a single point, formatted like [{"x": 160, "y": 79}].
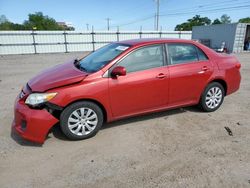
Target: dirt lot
[{"x": 177, "y": 148}]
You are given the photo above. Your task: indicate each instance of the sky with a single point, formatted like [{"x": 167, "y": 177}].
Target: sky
[{"x": 127, "y": 14}]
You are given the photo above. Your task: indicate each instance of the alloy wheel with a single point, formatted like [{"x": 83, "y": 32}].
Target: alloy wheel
[
  {"x": 82, "y": 121},
  {"x": 213, "y": 97}
]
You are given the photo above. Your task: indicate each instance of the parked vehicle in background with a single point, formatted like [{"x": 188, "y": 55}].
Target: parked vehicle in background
[{"x": 124, "y": 79}]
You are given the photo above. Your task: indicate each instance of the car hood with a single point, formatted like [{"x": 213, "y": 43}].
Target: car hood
[{"x": 60, "y": 75}]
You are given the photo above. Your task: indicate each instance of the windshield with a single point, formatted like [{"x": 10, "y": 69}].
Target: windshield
[{"x": 101, "y": 57}]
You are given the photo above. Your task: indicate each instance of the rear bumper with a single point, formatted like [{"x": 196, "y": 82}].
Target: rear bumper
[
  {"x": 32, "y": 124},
  {"x": 233, "y": 82}
]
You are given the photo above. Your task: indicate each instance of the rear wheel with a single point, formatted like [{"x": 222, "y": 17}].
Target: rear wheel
[
  {"x": 81, "y": 120},
  {"x": 212, "y": 97}
]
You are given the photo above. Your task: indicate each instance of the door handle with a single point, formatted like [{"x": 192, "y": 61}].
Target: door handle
[
  {"x": 161, "y": 75},
  {"x": 203, "y": 70}
]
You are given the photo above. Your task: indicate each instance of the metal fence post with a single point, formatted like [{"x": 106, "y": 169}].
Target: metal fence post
[
  {"x": 140, "y": 33},
  {"x": 117, "y": 34},
  {"x": 179, "y": 34},
  {"x": 160, "y": 32},
  {"x": 34, "y": 41},
  {"x": 65, "y": 42},
  {"x": 93, "y": 38}
]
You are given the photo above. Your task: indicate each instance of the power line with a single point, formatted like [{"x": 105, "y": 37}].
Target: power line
[
  {"x": 193, "y": 11},
  {"x": 202, "y": 6},
  {"x": 199, "y": 7},
  {"x": 208, "y": 6},
  {"x": 208, "y": 10},
  {"x": 136, "y": 21}
]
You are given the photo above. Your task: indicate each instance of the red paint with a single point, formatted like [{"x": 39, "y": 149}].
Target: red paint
[
  {"x": 39, "y": 122},
  {"x": 57, "y": 76},
  {"x": 141, "y": 92},
  {"x": 118, "y": 71}
]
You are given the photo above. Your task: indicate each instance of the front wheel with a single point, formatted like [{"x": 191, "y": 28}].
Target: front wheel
[
  {"x": 81, "y": 120},
  {"x": 212, "y": 97}
]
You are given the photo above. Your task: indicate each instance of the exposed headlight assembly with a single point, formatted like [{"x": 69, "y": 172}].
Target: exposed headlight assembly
[{"x": 35, "y": 99}]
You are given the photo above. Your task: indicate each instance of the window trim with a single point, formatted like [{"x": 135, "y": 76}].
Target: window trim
[
  {"x": 141, "y": 47},
  {"x": 197, "y": 48},
  {"x": 179, "y": 43}
]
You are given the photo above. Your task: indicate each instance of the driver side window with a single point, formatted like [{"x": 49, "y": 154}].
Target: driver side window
[{"x": 143, "y": 59}]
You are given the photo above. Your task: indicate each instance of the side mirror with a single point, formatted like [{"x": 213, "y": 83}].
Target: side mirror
[{"x": 118, "y": 71}]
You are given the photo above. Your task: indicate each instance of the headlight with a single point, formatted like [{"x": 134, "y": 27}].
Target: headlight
[{"x": 39, "y": 98}]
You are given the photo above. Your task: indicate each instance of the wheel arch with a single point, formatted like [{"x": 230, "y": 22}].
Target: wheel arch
[
  {"x": 219, "y": 80},
  {"x": 222, "y": 82},
  {"x": 104, "y": 111}
]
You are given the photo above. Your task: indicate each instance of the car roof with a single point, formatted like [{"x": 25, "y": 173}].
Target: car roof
[{"x": 144, "y": 41}]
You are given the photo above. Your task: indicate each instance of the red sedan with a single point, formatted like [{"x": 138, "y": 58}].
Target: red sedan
[{"x": 124, "y": 79}]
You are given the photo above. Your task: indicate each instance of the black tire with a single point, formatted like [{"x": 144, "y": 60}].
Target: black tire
[
  {"x": 203, "y": 105},
  {"x": 75, "y": 107}
]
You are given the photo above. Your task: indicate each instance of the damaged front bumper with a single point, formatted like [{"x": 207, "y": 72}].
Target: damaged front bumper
[{"x": 32, "y": 124}]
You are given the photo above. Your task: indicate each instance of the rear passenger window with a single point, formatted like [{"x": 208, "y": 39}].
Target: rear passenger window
[
  {"x": 202, "y": 56},
  {"x": 182, "y": 53}
]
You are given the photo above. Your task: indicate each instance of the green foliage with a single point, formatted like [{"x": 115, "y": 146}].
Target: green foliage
[
  {"x": 225, "y": 19},
  {"x": 195, "y": 21},
  {"x": 11, "y": 26},
  {"x": 3, "y": 19},
  {"x": 244, "y": 20},
  {"x": 216, "y": 21},
  {"x": 41, "y": 22},
  {"x": 36, "y": 21},
  {"x": 198, "y": 21}
]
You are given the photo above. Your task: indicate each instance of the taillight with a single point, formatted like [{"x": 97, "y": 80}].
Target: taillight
[{"x": 238, "y": 65}]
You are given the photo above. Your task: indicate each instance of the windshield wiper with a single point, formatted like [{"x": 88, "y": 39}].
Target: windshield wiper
[
  {"x": 78, "y": 65},
  {"x": 82, "y": 68},
  {"x": 76, "y": 61}
]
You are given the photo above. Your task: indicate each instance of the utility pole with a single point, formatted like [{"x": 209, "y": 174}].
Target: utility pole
[
  {"x": 108, "y": 20},
  {"x": 87, "y": 25},
  {"x": 157, "y": 14},
  {"x": 155, "y": 22}
]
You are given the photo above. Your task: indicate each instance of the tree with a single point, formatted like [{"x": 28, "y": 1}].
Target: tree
[
  {"x": 195, "y": 21},
  {"x": 3, "y": 19},
  {"x": 244, "y": 20},
  {"x": 37, "y": 21},
  {"x": 225, "y": 19},
  {"x": 41, "y": 22},
  {"x": 5, "y": 24},
  {"x": 216, "y": 21}
]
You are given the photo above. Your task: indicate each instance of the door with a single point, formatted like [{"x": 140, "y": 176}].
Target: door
[
  {"x": 144, "y": 87},
  {"x": 189, "y": 71}
]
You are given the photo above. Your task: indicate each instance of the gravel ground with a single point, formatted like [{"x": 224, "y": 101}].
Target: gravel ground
[{"x": 176, "y": 148}]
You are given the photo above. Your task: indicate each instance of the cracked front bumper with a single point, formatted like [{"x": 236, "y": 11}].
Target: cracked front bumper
[{"x": 32, "y": 124}]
